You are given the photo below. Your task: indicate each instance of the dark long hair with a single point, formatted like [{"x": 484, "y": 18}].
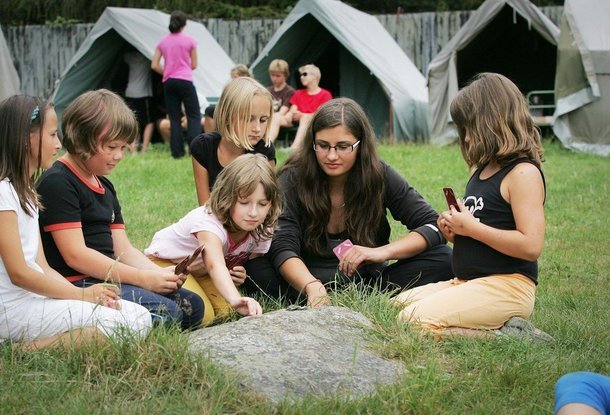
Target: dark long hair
[
  {"x": 177, "y": 21},
  {"x": 364, "y": 188},
  {"x": 20, "y": 116}
]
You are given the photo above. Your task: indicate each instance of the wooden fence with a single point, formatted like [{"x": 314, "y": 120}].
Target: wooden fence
[{"x": 41, "y": 53}]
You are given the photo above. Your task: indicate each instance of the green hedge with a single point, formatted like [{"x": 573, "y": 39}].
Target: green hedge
[{"x": 27, "y": 12}]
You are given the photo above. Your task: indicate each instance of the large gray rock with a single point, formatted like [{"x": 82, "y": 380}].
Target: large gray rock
[{"x": 292, "y": 354}]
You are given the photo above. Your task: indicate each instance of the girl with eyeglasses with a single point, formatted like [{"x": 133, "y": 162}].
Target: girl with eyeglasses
[{"x": 335, "y": 188}]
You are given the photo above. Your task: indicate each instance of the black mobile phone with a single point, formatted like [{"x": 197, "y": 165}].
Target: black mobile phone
[
  {"x": 182, "y": 265},
  {"x": 450, "y": 197}
]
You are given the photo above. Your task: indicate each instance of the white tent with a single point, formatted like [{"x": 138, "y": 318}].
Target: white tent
[
  {"x": 358, "y": 59},
  {"x": 511, "y": 37},
  {"x": 582, "y": 86},
  {"x": 9, "y": 80},
  {"x": 143, "y": 29}
]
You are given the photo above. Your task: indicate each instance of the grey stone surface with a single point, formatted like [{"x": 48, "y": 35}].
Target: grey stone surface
[{"x": 292, "y": 354}]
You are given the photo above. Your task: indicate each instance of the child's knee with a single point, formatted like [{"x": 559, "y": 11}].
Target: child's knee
[
  {"x": 406, "y": 314},
  {"x": 193, "y": 307},
  {"x": 402, "y": 299},
  {"x": 207, "y": 307},
  {"x": 423, "y": 318},
  {"x": 220, "y": 306},
  {"x": 411, "y": 314}
]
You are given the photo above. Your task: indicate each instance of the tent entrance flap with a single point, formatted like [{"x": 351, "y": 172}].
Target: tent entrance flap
[
  {"x": 358, "y": 59},
  {"x": 582, "y": 86},
  {"x": 329, "y": 62},
  {"x": 308, "y": 42},
  {"x": 97, "y": 62},
  {"x": 92, "y": 70},
  {"x": 510, "y": 46},
  {"x": 358, "y": 83}
]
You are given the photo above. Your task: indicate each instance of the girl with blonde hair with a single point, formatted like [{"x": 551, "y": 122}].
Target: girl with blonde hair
[{"x": 243, "y": 113}]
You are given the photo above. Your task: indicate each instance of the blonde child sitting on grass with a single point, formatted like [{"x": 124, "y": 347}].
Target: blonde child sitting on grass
[{"x": 235, "y": 225}]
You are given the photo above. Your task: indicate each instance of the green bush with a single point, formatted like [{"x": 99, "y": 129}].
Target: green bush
[{"x": 28, "y": 12}]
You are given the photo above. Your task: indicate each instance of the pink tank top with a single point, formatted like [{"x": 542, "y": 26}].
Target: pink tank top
[{"x": 176, "y": 51}]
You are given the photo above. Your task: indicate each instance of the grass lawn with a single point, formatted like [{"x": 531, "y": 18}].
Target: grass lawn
[{"x": 465, "y": 376}]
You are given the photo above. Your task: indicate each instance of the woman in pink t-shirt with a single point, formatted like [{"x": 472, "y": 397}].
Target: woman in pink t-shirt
[{"x": 179, "y": 52}]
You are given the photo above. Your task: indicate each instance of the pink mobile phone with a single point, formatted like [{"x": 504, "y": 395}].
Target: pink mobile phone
[
  {"x": 342, "y": 248},
  {"x": 450, "y": 197}
]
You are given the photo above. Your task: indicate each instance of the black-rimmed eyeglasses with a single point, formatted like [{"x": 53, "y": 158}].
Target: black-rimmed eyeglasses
[{"x": 341, "y": 148}]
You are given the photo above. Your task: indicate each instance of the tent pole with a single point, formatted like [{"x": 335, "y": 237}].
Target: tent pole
[{"x": 391, "y": 123}]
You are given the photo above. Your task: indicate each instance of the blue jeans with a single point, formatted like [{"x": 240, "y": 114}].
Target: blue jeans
[
  {"x": 181, "y": 306},
  {"x": 177, "y": 92}
]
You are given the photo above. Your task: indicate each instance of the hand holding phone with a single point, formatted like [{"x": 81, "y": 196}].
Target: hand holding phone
[
  {"x": 342, "y": 248},
  {"x": 182, "y": 265},
  {"x": 450, "y": 197}
]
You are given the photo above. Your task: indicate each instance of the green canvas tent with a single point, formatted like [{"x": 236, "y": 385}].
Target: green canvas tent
[
  {"x": 101, "y": 51},
  {"x": 511, "y": 37},
  {"x": 9, "y": 79},
  {"x": 582, "y": 85},
  {"x": 358, "y": 59}
]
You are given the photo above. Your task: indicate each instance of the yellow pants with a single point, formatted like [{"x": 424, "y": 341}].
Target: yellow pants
[
  {"x": 215, "y": 305},
  {"x": 483, "y": 303}
]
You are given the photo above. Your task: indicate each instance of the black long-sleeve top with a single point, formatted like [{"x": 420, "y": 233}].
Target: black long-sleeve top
[{"x": 403, "y": 201}]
